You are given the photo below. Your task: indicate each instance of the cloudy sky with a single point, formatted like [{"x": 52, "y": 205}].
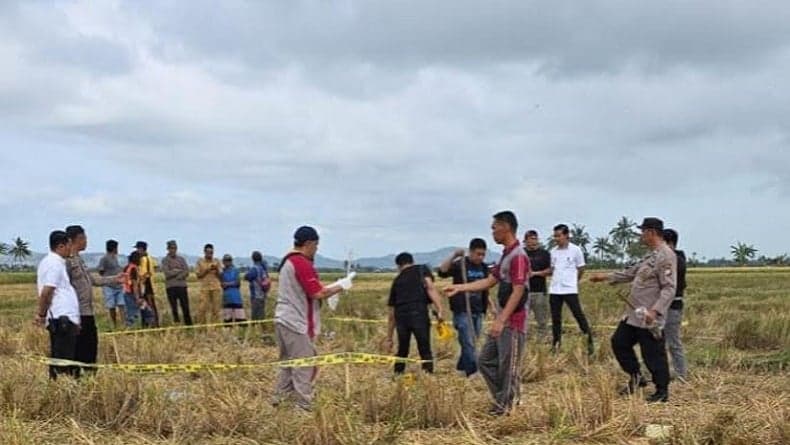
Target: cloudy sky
[{"x": 393, "y": 125}]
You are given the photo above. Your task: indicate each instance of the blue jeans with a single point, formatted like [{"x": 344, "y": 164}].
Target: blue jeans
[
  {"x": 132, "y": 311},
  {"x": 467, "y": 362}
]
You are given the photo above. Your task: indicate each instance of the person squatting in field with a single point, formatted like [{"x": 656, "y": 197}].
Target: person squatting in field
[
  {"x": 297, "y": 320},
  {"x": 500, "y": 358},
  {"x": 411, "y": 292},
  {"x": 469, "y": 308}
]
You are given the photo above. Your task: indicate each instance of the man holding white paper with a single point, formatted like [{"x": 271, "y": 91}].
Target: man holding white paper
[{"x": 297, "y": 320}]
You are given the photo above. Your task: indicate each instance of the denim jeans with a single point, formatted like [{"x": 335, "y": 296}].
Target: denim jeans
[
  {"x": 132, "y": 310},
  {"x": 467, "y": 338}
]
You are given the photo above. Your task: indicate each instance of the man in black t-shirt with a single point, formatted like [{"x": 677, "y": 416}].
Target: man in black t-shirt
[
  {"x": 540, "y": 260},
  {"x": 467, "y": 320},
  {"x": 411, "y": 293}
]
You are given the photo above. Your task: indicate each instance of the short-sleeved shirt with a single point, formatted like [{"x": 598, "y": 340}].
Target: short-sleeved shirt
[
  {"x": 131, "y": 278},
  {"x": 209, "y": 281},
  {"x": 408, "y": 289},
  {"x": 109, "y": 266},
  {"x": 677, "y": 303},
  {"x": 296, "y": 308},
  {"x": 82, "y": 283},
  {"x": 565, "y": 265},
  {"x": 232, "y": 294},
  {"x": 147, "y": 266},
  {"x": 539, "y": 259},
  {"x": 257, "y": 273},
  {"x": 478, "y": 301},
  {"x": 52, "y": 273},
  {"x": 653, "y": 284},
  {"x": 512, "y": 270}
]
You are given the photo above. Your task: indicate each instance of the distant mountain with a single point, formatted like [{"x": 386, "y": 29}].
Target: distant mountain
[
  {"x": 385, "y": 262},
  {"x": 432, "y": 259}
]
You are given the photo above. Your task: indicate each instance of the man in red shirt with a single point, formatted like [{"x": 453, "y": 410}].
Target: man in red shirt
[
  {"x": 296, "y": 316},
  {"x": 500, "y": 357}
]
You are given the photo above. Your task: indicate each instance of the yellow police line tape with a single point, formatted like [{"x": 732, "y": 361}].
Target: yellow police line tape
[
  {"x": 232, "y": 324},
  {"x": 266, "y": 321},
  {"x": 159, "y": 368},
  {"x": 185, "y": 327}
]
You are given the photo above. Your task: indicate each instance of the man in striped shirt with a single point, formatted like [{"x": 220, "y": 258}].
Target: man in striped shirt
[{"x": 500, "y": 357}]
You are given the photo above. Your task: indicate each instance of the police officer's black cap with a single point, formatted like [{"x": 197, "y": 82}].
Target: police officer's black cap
[{"x": 652, "y": 223}]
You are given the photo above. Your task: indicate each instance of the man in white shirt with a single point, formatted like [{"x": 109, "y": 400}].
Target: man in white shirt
[
  {"x": 58, "y": 305},
  {"x": 567, "y": 268}
]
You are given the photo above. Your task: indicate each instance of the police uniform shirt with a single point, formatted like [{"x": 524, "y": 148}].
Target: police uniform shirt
[{"x": 653, "y": 283}]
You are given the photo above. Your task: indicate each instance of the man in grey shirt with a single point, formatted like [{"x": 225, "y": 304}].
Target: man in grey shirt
[
  {"x": 113, "y": 292},
  {"x": 176, "y": 272}
]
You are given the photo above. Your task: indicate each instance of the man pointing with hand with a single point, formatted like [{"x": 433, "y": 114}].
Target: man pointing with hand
[{"x": 500, "y": 357}]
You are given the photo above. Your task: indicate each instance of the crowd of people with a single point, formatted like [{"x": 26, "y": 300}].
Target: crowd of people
[
  {"x": 65, "y": 287},
  {"x": 652, "y": 317}
]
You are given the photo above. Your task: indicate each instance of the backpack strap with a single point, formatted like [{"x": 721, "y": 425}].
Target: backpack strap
[{"x": 286, "y": 258}]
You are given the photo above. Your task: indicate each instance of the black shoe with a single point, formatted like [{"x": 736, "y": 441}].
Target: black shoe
[
  {"x": 497, "y": 411},
  {"x": 661, "y": 395},
  {"x": 637, "y": 381},
  {"x": 590, "y": 345},
  {"x": 555, "y": 347}
]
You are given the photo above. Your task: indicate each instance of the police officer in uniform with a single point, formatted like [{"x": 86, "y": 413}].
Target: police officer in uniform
[{"x": 653, "y": 282}]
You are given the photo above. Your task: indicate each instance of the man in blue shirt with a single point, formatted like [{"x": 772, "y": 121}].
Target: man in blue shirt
[
  {"x": 258, "y": 276},
  {"x": 232, "y": 307},
  {"x": 469, "y": 308}
]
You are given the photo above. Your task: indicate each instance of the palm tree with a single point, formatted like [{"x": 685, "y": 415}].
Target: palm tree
[
  {"x": 603, "y": 247},
  {"x": 623, "y": 235},
  {"x": 580, "y": 237},
  {"x": 20, "y": 250},
  {"x": 781, "y": 260},
  {"x": 550, "y": 243},
  {"x": 742, "y": 252}
]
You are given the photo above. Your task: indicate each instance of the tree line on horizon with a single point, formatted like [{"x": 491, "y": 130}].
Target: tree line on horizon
[{"x": 620, "y": 246}]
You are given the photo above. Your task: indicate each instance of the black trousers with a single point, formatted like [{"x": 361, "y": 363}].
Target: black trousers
[
  {"x": 572, "y": 300},
  {"x": 653, "y": 353},
  {"x": 414, "y": 322},
  {"x": 148, "y": 296},
  {"x": 87, "y": 342},
  {"x": 176, "y": 296},
  {"x": 63, "y": 344}
]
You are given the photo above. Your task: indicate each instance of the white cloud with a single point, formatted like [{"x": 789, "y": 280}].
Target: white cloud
[
  {"x": 90, "y": 205},
  {"x": 390, "y": 122}
]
